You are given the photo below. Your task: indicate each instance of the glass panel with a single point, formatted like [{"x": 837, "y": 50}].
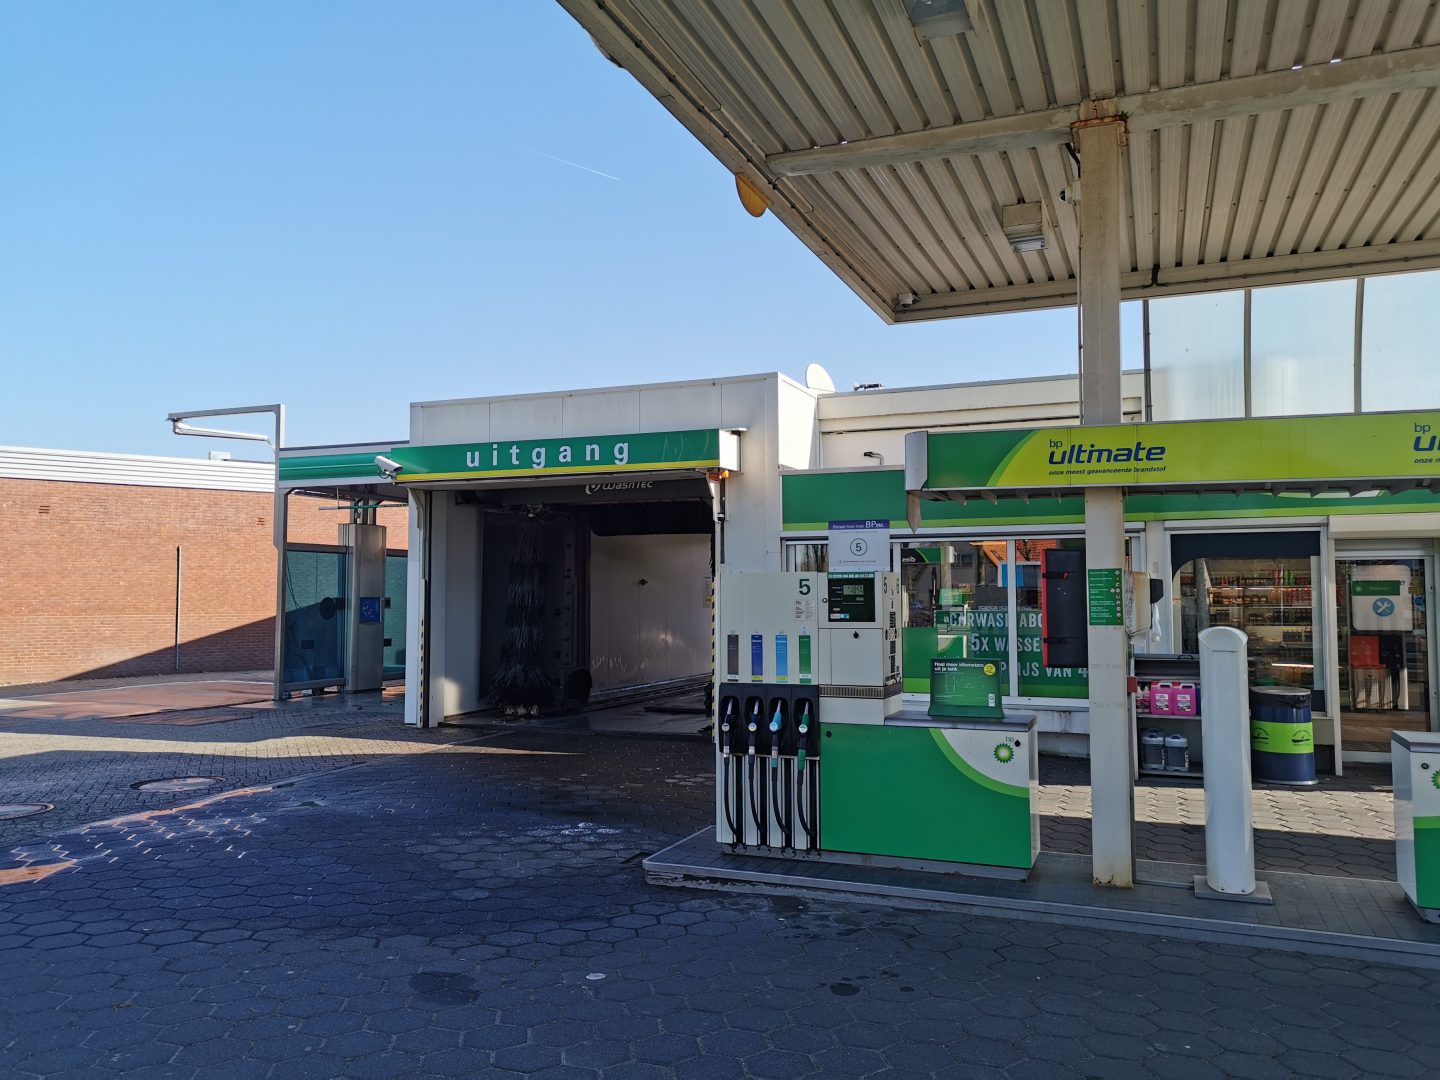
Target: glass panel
[
  {"x": 1384, "y": 650},
  {"x": 1302, "y": 349},
  {"x": 956, "y": 605},
  {"x": 1270, "y": 599},
  {"x": 1197, "y": 356},
  {"x": 809, "y": 558},
  {"x": 1037, "y": 680},
  {"x": 1400, "y": 324},
  {"x": 314, "y": 643},
  {"x": 396, "y": 578}
]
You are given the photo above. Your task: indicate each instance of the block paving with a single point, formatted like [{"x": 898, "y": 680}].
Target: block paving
[{"x": 480, "y": 910}]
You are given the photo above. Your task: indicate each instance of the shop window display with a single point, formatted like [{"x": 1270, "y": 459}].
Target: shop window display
[
  {"x": 1271, "y": 599},
  {"x": 958, "y": 605}
]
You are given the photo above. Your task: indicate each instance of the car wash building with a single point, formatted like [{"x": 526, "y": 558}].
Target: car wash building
[{"x": 620, "y": 505}]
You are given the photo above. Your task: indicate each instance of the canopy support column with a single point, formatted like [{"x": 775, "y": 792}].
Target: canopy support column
[{"x": 1112, "y": 739}]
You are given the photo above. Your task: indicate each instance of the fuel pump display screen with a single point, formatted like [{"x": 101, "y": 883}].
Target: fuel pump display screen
[{"x": 851, "y": 599}]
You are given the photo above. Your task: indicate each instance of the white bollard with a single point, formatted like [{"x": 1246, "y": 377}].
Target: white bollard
[{"x": 1225, "y": 739}]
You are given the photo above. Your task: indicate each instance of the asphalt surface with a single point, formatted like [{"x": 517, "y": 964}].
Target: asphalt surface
[{"x": 480, "y": 910}]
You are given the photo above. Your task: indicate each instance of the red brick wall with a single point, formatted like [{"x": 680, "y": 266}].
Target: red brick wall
[{"x": 87, "y": 577}]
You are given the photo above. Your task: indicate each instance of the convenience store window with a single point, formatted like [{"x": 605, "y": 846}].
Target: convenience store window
[
  {"x": 957, "y": 605},
  {"x": 1263, "y": 584}
]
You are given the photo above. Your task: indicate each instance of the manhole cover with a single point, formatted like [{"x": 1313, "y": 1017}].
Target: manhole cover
[
  {"x": 10, "y": 810},
  {"x": 177, "y": 784}
]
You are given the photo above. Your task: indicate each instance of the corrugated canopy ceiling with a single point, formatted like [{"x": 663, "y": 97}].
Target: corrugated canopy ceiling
[{"x": 1269, "y": 140}]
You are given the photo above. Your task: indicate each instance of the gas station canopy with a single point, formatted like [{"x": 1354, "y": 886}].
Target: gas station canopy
[{"x": 923, "y": 148}]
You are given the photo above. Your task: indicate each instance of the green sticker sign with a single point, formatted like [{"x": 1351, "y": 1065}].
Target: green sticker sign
[
  {"x": 1106, "y": 597},
  {"x": 966, "y": 688},
  {"x": 983, "y": 633},
  {"x": 1374, "y": 588}
]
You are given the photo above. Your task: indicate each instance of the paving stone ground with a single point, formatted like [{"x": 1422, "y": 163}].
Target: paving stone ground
[
  {"x": 480, "y": 910},
  {"x": 1343, "y": 828},
  {"x": 86, "y": 767}
]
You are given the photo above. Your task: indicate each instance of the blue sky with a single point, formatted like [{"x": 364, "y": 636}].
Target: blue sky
[{"x": 348, "y": 206}]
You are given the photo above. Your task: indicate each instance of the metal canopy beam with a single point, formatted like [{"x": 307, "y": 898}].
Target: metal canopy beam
[
  {"x": 1185, "y": 280},
  {"x": 1362, "y": 77}
]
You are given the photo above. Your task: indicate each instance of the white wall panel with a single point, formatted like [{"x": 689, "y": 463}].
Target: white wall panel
[{"x": 651, "y": 632}]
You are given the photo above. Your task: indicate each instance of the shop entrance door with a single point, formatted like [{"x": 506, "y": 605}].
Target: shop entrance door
[{"x": 1383, "y": 619}]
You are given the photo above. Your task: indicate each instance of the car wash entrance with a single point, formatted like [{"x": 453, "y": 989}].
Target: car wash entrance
[
  {"x": 553, "y": 572},
  {"x": 610, "y": 578}
]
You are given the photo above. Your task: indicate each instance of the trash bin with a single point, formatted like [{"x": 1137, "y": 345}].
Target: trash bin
[{"x": 1282, "y": 736}]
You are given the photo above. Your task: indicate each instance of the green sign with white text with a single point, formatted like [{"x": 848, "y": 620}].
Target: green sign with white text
[
  {"x": 1106, "y": 596},
  {"x": 651, "y": 451},
  {"x": 1373, "y": 446}
]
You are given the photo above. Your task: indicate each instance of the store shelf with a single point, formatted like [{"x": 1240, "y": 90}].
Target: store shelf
[
  {"x": 1188, "y": 774},
  {"x": 1165, "y": 716}
]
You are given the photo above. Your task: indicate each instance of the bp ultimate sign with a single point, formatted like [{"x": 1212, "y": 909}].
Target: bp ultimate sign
[
  {"x": 1300, "y": 451},
  {"x": 647, "y": 452}
]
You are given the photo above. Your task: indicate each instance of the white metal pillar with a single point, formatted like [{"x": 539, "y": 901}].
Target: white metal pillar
[{"x": 1112, "y": 735}]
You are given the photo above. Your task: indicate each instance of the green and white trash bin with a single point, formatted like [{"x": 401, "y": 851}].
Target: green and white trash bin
[
  {"x": 1282, "y": 736},
  {"x": 1415, "y": 763}
]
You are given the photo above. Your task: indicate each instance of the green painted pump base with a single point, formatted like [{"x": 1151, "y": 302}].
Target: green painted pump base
[
  {"x": 905, "y": 793},
  {"x": 1261, "y": 895}
]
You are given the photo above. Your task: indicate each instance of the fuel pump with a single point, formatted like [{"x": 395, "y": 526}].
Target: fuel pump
[{"x": 807, "y": 661}]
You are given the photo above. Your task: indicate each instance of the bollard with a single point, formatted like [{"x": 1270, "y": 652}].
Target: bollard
[{"x": 1225, "y": 740}]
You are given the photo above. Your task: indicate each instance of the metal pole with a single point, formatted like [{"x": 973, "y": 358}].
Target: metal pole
[
  {"x": 179, "y": 575},
  {"x": 280, "y": 536},
  {"x": 1112, "y": 735}
]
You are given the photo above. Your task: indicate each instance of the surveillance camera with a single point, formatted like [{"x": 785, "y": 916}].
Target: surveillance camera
[
  {"x": 1070, "y": 195},
  {"x": 388, "y": 466},
  {"x": 906, "y": 299}
]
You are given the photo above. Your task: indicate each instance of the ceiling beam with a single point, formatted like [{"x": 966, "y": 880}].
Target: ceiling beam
[
  {"x": 1320, "y": 84},
  {"x": 1186, "y": 280}
]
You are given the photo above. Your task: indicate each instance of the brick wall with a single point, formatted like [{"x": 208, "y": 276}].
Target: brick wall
[{"x": 88, "y": 575}]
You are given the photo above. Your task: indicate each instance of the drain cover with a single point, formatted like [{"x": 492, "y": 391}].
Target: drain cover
[
  {"x": 177, "y": 784},
  {"x": 10, "y": 810}
]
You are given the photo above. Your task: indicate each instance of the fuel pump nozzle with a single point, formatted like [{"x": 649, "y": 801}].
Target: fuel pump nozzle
[
  {"x": 776, "y": 723},
  {"x": 802, "y": 721}
]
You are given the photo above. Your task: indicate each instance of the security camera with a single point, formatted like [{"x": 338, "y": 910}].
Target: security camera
[
  {"x": 906, "y": 299},
  {"x": 1070, "y": 195},
  {"x": 388, "y": 466}
]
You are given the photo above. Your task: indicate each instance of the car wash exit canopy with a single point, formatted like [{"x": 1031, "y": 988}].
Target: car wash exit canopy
[
  {"x": 1302, "y": 453},
  {"x": 647, "y": 452}
]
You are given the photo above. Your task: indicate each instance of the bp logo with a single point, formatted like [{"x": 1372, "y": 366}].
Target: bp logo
[
  {"x": 1435, "y": 779},
  {"x": 1005, "y": 751}
]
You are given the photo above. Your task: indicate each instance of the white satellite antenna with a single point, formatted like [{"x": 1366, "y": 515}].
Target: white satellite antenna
[{"x": 817, "y": 378}]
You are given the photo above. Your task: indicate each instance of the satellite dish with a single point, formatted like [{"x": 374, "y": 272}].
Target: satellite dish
[{"x": 817, "y": 378}]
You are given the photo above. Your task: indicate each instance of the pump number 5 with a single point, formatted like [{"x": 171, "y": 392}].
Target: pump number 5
[{"x": 804, "y": 586}]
